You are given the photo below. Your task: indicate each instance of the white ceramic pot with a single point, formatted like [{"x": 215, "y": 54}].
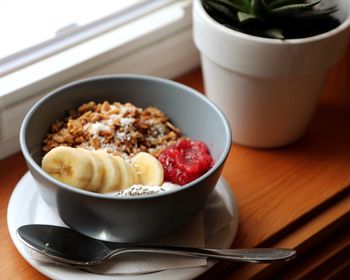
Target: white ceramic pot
[{"x": 267, "y": 88}]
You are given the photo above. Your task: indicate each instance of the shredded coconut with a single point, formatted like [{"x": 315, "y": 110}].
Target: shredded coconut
[
  {"x": 126, "y": 121},
  {"x": 141, "y": 190},
  {"x": 97, "y": 127},
  {"x": 121, "y": 136}
]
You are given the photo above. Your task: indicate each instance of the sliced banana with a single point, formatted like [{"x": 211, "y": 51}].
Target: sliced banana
[
  {"x": 132, "y": 173},
  {"x": 70, "y": 166},
  {"x": 149, "y": 169},
  {"x": 101, "y": 172},
  {"x": 98, "y": 170},
  {"x": 127, "y": 173},
  {"x": 112, "y": 174}
]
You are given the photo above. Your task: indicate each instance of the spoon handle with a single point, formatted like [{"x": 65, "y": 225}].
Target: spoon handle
[{"x": 254, "y": 255}]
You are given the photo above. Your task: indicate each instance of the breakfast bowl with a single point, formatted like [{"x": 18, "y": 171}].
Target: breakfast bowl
[{"x": 127, "y": 218}]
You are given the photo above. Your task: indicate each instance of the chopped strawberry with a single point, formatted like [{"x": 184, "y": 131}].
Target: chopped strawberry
[{"x": 185, "y": 161}]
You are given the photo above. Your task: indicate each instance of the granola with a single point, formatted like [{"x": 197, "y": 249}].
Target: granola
[{"x": 120, "y": 129}]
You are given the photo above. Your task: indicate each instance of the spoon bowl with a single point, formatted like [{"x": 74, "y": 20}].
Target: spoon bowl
[{"x": 68, "y": 246}]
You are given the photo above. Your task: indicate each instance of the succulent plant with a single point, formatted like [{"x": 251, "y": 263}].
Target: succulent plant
[{"x": 279, "y": 19}]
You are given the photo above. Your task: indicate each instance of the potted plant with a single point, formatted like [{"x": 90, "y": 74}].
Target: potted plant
[{"x": 265, "y": 64}]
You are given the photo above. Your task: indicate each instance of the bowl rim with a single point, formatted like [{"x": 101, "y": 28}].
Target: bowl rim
[{"x": 39, "y": 103}]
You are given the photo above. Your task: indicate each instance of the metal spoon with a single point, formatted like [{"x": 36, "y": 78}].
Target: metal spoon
[{"x": 68, "y": 246}]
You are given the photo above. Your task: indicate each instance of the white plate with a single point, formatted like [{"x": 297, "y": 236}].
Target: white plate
[{"x": 21, "y": 211}]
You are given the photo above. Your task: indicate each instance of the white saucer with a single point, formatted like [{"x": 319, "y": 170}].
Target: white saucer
[{"x": 21, "y": 211}]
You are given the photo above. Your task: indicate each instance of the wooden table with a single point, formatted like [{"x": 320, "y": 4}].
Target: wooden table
[{"x": 297, "y": 196}]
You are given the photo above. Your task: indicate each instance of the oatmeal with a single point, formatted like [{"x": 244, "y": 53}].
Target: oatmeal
[
  {"x": 122, "y": 149},
  {"x": 120, "y": 129}
]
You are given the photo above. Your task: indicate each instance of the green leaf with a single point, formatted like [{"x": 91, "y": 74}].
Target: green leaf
[
  {"x": 215, "y": 10},
  {"x": 240, "y": 5},
  {"x": 315, "y": 13},
  {"x": 243, "y": 17},
  {"x": 268, "y": 2},
  {"x": 278, "y": 19},
  {"x": 293, "y": 9},
  {"x": 273, "y": 33},
  {"x": 281, "y": 3},
  {"x": 259, "y": 8},
  {"x": 244, "y": 5}
]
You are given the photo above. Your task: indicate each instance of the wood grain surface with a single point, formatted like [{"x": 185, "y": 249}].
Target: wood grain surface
[{"x": 297, "y": 196}]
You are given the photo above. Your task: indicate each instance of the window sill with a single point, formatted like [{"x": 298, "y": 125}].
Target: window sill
[{"x": 133, "y": 48}]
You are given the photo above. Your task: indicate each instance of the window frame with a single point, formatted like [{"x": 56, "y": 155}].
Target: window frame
[
  {"x": 136, "y": 53},
  {"x": 78, "y": 35}
]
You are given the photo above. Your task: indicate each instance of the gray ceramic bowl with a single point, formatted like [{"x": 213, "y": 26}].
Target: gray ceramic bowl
[{"x": 138, "y": 218}]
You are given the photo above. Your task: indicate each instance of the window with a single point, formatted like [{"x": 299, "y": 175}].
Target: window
[
  {"x": 40, "y": 27},
  {"x": 152, "y": 37}
]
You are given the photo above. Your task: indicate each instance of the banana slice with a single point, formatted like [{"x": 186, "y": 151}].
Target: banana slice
[
  {"x": 149, "y": 169},
  {"x": 98, "y": 170},
  {"x": 101, "y": 172},
  {"x": 128, "y": 174},
  {"x": 112, "y": 174},
  {"x": 132, "y": 173},
  {"x": 70, "y": 166}
]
